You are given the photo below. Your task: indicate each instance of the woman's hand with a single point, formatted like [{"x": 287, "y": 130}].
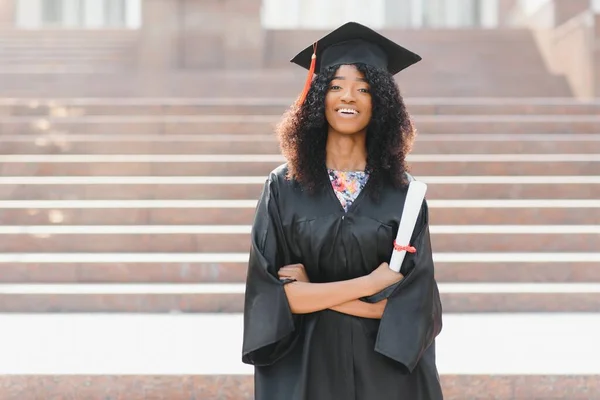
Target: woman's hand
[
  {"x": 293, "y": 271},
  {"x": 383, "y": 277},
  {"x": 361, "y": 309}
]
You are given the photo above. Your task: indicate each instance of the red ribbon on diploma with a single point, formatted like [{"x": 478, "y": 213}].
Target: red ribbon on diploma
[{"x": 408, "y": 249}]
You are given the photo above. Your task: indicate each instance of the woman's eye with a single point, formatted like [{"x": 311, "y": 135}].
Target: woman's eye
[
  {"x": 335, "y": 87},
  {"x": 364, "y": 90}
]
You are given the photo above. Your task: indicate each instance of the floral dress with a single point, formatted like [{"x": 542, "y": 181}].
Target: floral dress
[{"x": 347, "y": 185}]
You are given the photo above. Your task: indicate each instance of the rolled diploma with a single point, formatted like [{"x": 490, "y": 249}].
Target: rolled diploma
[{"x": 408, "y": 219}]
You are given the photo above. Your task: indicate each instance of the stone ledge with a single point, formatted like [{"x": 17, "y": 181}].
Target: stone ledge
[
  {"x": 232, "y": 303},
  {"x": 240, "y": 387}
]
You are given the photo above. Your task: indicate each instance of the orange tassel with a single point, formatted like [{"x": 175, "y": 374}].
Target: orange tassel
[{"x": 311, "y": 72}]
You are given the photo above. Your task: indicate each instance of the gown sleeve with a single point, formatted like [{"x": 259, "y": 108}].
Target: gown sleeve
[
  {"x": 413, "y": 315},
  {"x": 270, "y": 328}
]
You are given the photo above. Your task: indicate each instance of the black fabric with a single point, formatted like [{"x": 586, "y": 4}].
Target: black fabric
[
  {"x": 328, "y": 355},
  {"x": 354, "y": 51},
  {"x": 355, "y": 43}
]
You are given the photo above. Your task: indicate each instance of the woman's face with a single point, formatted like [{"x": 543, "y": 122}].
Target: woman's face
[{"x": 348, "y": 101}]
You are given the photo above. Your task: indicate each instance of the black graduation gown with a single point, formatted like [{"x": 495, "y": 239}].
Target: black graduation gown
[{"x": 328, "y": 355}]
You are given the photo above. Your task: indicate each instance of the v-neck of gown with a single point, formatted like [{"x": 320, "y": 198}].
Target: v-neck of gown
[{"x": 347, "y": 185}]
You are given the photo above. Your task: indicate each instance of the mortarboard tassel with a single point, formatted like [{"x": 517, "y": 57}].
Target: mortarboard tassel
[{"x": 311, "y": 72}]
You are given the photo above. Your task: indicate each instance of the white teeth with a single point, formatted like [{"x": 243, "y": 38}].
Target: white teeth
[{"x": 347, "y": 110}]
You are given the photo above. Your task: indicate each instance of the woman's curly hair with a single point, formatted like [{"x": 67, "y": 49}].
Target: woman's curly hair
[{"x": 302, "y": 133}]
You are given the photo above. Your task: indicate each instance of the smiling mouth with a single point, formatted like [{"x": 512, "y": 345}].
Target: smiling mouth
[{"x": 347, "y": 111}]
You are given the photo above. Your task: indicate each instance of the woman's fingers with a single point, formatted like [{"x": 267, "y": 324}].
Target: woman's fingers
[
  {"x": 289, "y": 273},
  {"x": 292, "y": 268},
  {"x": 294, "y": 271}
]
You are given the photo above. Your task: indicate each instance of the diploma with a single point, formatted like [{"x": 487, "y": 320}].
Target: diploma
[{"x": 408, "y": 219}]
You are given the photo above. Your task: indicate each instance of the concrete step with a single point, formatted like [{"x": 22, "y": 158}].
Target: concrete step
[
  {"x": 431, "y": 82},
  {"x": 272, "y": 106},
  {"x": 236, "y": 238},
  {"x": 60, "y": 56},
  {"x": 61, "y": 68},
  {"x": 250, "y": 187},
  {"x": 262, "y": 124},
  {"x": 58, "y": 142},
  {"x": 443, "y": 39},
  {"x": 100, "y": 64},
  {"x": 80, "y": 268},
  {"x": 69, "y": 50},
  {"x": 240, "y": 387},
  {"x": 229, "y": 298},
  {"x": 62, "y": 44},
  {"x": 262, "y": 164},
  {"x": 65, "y": 37},
  {"x": 46, "y": 34},
  {"x": 451, "y": 267},
  {"x": 231, "y": 212},
  {"x": 445, "y": 54},
  {"x": 198, "y": 357}
]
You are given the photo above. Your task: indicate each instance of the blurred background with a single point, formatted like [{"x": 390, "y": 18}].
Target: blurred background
[{"x": 135, "y": 136}]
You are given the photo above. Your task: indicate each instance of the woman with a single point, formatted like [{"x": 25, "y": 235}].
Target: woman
[{"x": 325, "y": 317}]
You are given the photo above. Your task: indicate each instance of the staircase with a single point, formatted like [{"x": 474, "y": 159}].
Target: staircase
[
  {"x": 60, "y": 51},
  {"x": 456, "y": 63},
  {"x": 117, "y": 216}
]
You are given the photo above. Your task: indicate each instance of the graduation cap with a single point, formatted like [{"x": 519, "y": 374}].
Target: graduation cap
[{"x": 353, "y": 43}]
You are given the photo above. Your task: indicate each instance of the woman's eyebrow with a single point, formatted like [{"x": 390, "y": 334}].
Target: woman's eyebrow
[{"x": 342, "y": 78}]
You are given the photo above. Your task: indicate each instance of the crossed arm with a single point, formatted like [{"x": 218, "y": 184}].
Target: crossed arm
[
  {"x": 362, "y": 309},
  {"x": 305, "y": 297}
]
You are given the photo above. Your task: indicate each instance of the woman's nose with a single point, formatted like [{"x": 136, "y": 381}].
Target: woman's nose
[{"x": 347, "y": 96}]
